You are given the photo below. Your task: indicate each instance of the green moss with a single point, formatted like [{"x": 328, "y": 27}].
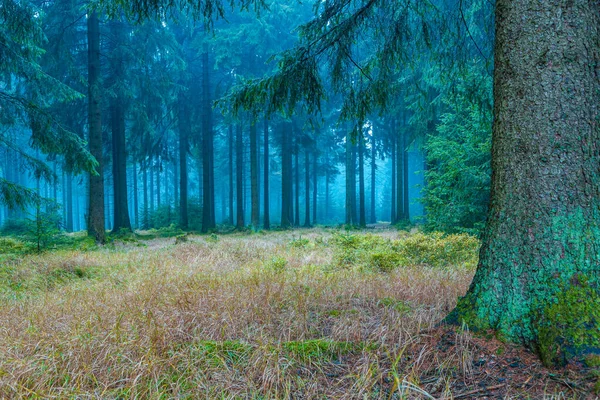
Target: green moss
[
  {"x": 592, "y": 361},
  {"x": 320, "y": 350},
  {"x": 597, "y": 387},
  {"x": 570, "y": 326},
  {"x": 465, "y": 313},
  {"x": 398, "y": 305}
]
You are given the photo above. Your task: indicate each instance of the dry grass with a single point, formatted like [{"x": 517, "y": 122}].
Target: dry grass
[{"x": 238, "y": 316}]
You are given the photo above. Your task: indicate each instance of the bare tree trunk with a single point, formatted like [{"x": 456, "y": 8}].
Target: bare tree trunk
[{"x": 96, "y": 187}]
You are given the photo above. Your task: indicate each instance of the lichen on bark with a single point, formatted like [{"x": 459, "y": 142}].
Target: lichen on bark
[{"x": 543, "y": 226}]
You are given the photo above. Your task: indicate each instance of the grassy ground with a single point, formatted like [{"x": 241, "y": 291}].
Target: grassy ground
[{"x": 300, "y": 314}]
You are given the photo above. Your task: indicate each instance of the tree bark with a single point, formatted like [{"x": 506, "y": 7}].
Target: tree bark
[
  {"x": 266, "y": 212},
  {"x": 239, "y": 179},
  {"x": 96, "y": 186},
  {"x": 231, "y": 190},
  {"x": 286, "y": 177},
  {"x": 208, "y": 190},
  {"x": 184, "y": 134},
  {"x": 542, "y": 237},
  {"x": 306, "y": 187},
  {"x": 254, "y": 201},
  {"x": 372, "y": 217},
  {"x": 362, "y": 219}
]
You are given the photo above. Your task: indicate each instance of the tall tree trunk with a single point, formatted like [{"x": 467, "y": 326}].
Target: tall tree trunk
[
  {"x": 361, "y": 178},
  {"x": 315, "y": 185},
  {"x": 400, "y": 212},
  {"x": 393, "y": 215},
  {"x": 146, "y": 215},
  {"x": 136, "y": 206},
  {"x": 540, "y": 249},
  {"x": 296, "y": 186},
  {"x": 286, "y": 176},
  {"x": 306, "y": 187},
  {"x": 69, "y": 202},
  {"x": 372, "y": 217},
  {"x": 184, "y": 134},
  {"x": 327, "y": 185},
  {"x": 96, "y": 187},
  {"x": 208, "y": 191},
  {"x": 266, "y": 212},
  {"x": 349, "y": 180},
  {"x": 254, "y": 201},
  {"x": 119, "y": 147},
  {"x": 405, "y": 191},
  {"x": 230, "y": 142},
  {"x": 239, "y": 179}
]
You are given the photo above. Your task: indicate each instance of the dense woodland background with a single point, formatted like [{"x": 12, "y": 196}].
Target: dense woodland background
[{"x": 178, "y": 150}]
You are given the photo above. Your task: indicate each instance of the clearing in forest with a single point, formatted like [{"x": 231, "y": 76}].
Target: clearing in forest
[{"x": 318, "y": 313}]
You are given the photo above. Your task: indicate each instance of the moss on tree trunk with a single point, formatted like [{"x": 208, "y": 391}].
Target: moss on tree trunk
[{"x": 542, "y": 238}]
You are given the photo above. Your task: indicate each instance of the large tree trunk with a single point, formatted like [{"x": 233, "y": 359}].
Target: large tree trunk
[
  {"x": 266, "y": 217},
  {"x": 542, "y": 238},
  {"x": 296, "y": 186},
  {"x": 96, "y": 187}
]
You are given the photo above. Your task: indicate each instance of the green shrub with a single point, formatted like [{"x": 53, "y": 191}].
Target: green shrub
[
  {"x": 276, "y": 264},
  {"x": 10, "y": 245},
  {"x": 384, "y": 255}
]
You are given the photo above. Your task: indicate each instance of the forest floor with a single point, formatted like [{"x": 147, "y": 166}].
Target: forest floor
[{"x": 305, "y": 314}]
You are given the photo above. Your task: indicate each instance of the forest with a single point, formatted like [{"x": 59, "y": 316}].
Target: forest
[{"x": 288, "y": 199}]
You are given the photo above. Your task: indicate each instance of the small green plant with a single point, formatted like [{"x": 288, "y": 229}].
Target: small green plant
[
  {"x": 398, "y": 305},
  {"x": 300, "y": 243},
  {"x": 276, "y": 264},
  {"x": 212, "y": 238}
]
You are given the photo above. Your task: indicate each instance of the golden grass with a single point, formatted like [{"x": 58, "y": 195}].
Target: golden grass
[{"x": 241, "y": 316}]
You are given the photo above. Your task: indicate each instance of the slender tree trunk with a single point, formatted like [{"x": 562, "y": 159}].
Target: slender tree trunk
[
  {"x": 541, "y": 244},
  {"x": 286, "y": 177},
  {"x": 254, "y": 201},
  {"x": 184, "y": 134},
  {"x": 296, "y": 186},
  {"x": 307, "y": 187},
  {"x": 208, "y": 192},
  {"x": 69, "y": 202},
  {"x": 239, "y": 166},
  {"x": 349, "y": 181},
  {"x": 327, "y": 186},
  {"x": 146, "y": 215},
  {"x": 405, "y": 191},
  {"x": 315, "y": 185},
  {"x": 400, "y": 211},
  {"x": 267, "y": 218},
  {"x": 230, "y": 142},
  {"x": 373, "y": 218},
  {"x": 96, "y": 193},
  {"x": 119, "y": 146},
  {"x": 393, "y": 214},
  {"x": 136, "y": 206},
  {"x": 361, "y": 178}
]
